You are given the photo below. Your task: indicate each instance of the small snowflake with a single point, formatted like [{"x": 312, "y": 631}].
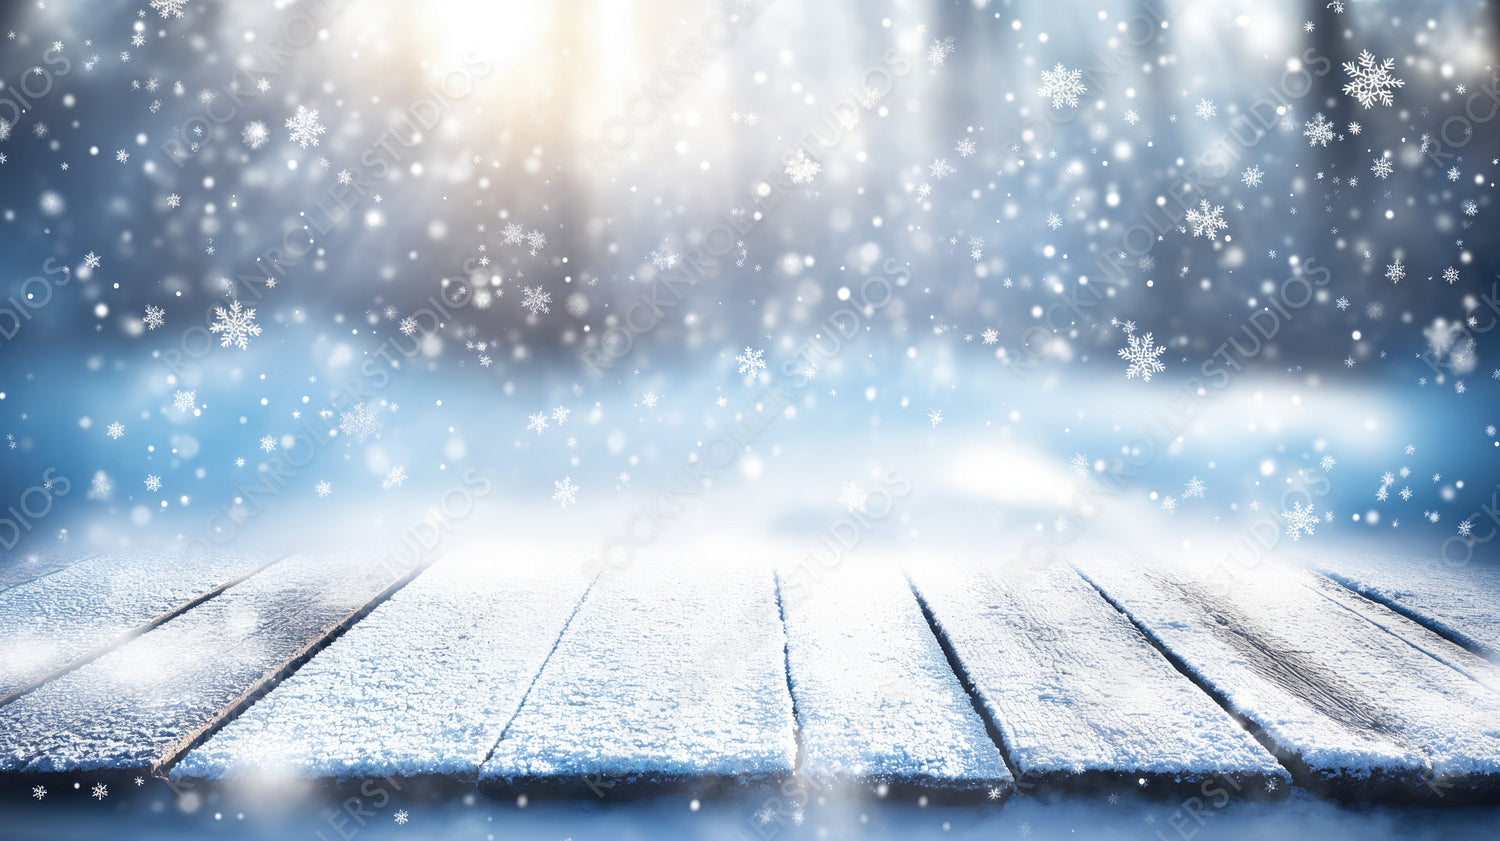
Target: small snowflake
[
  {"x": 1252, "y": 176},
  {"x": 100, "y": 791},
  {"x": 1207, "y": 221},
  {"x": 402, "y": 817},
  {"x": 751, "y": 362},
  {"x": 935, "y": 416},
  {"x": 393, "y": 478},
  {"x": 853, "y": 497},
  {"x": 255, "y": 134},
  {"x": 802, "y": 169},
  {"x": 39, "y": 792},
  {"x": 538, "y": 422},
  {"x": 534, "y": 300},
  {"x": 564, "y": 492},
  {"x": 155, "y": 317},
  {"x": 115, "y": 430},
  {"x": 1299, "y": 520},
  {"x": 323, "y": 489},
  {"x": 153, "y": 482},
  {"x": 1381, "y": 167}
]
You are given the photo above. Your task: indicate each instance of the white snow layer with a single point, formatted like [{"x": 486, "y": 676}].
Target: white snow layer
[
  {"x": 666, "y": 670},
  {"x": 1323, "y": 682},
  {"x": 143, "y": 702},
  {"x": 423, "y": 685},
  {"x": 1459, "y": 600},
  {"x": 875, "y": 696},
  {"x": 1073, "y": 686},
  {"x": 51, "y": 621}
]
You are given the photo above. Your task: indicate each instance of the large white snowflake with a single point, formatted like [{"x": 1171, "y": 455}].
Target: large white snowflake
[
  {"x": 1299, "y": 520},
  {"x": 1062, "y": 86},
  {"x": 1141, "y": 353},
  {"x": 362, "y": 421},
  {"x": 304, "y": 126},
  {"x": 155, "y": 317},
  {"x": 802, "y": 169},
  {"x": 184, "y": 401},
  {"x": 564, "y": 492},
  {"x": 1207, "y": 221},
  {"x": 1371, "y": 82},
  {"x": 168, "y": 8},
  {"x": 237, "y": 325}
]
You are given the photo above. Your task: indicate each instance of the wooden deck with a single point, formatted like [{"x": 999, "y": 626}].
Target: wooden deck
[{"x": 518, "y": 675}]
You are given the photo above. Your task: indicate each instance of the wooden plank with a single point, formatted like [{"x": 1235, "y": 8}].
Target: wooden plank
[
  {"x": 60, "y": 621},
  {"x": 667, "y": 672},
  {"x": 1410, "y": 631},
  {"x": 876, "y": 700},
  {"x": 1354, "y": 711},
  {"x": 422, "y": 686},
  {"x": 1459, "y": 601},
  {"x": 143, "y": 704},
  {"x": 20, "y": 569},
  {"x": 1081, "y": 699}
]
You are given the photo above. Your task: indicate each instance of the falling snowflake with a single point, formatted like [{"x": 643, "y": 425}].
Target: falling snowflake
[
  {"x": 1206, "y": 108},
  {"x": 153, "y": 482},
  {"x": 169, "y": 8},
  {"x": 255, "y": 134},
  {"x": 1195, "y": 488},
  {"x": 853, "y": 497},
  {"x": 402, "y": 817},
  {"x": 1252, "y": 176},
  {"x": 1299, "y": 520},
  {"x": 323, "y": 489},
  {"x": 267, "y": 443},
  {"x": 751, "y": 362},
  {"x": 115, "y": 430},
  {"x": 1054, "y": 221},
  {"x": 304, "y": 126},
  {"x": 802, "y": 169},
  {"x": 1079, "y": 463},
  {"x": 39, "y": 792},
  {"x": 990, "y": 336},
  {"x": 938, "y": 52},
  {"x": 91, "y": 260},
  {"x": 122, "y": 156},
  {"x": 649, "y": 399},
  {"x": 965, "y": 147},
  {"x": 1371, "y": 82},
  {"x": 1395, "y": 271},
  {"x": 560, "y": 415},
  {"x": 1141, "y": 354},
  {"x": 362, "y": 422},
  {"x": 393, "y": 478},
  {"x": 1381, "y": 167},
  {"x": 935, "y": 416},
  {"x": 538, "y": 422},
  {"x": 564, "y": 492},
  {"x": 1450, "y": 274},
  {"x": 1318, "y": 130},
  {"x": 1327, "y": 463},
  {"x": 535, "y": 301},
  {"x": 1207, "y": 221},
  {"x": 237, "y": 325},
  {"x": 1062, "y": 86},
  {"x": 155, "y": 317},
  {"x": 100, "y": 791},
  {"x": 940, "y": 168}
]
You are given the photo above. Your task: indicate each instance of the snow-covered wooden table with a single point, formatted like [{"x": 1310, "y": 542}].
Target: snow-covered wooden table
[{"x": 1359, "y": 681}]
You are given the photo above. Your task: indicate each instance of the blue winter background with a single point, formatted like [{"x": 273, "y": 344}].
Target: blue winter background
[{"x": 544, "y": 178}]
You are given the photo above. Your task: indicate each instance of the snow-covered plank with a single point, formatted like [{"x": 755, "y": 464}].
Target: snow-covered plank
[
  {"x": 422, "y": 686},
  {"x": 668, "y": 671},
  {"x": 1353, "y": 710},
  {"x": 1410, "y": 631},
  {"x": 1080, "y": 698},
  {"x": 876, "y": 699},
  {"x": 20, "y": 569},
  {"x": 1459, "y": 601},
  {"x": 65, "y": 618},
  {"x": 142, "y": 704}
]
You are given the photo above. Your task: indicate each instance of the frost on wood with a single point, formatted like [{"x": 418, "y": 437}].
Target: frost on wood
[
  {"x": 46, "y": 623},
  {"x": 423, "y": 685},
  {"x": 875, "y": 696},
  {"x": 1073, "y": 687},
  {"x": 141, "y": 703},
  {"x": 666, "y": 671},
  {"x": 1367, "y": 713}
]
